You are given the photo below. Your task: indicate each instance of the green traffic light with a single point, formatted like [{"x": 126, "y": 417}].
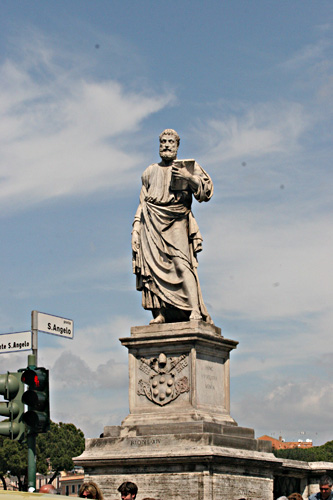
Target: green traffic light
[{"x": 11, "y": 387}]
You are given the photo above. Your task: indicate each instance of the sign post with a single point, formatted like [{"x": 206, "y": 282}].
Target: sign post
[
  {"x": 31, "y": 441},
  {"x": 34, "y": 333}
]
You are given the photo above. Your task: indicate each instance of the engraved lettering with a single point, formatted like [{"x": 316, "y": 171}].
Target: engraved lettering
[
  {"x": 144, "y": 368},
  {"x": 144, "y": 442},
  {"x": 181, "y": 365}
]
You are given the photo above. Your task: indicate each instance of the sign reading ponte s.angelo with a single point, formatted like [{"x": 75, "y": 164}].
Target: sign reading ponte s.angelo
[
  {"x": 55, "y": 325},
  {"x": 15, "y": 342}
]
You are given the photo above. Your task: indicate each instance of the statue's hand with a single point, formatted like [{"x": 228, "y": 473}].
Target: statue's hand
[
  {"x": 135, "y": 241},
  {"x": 180, "y": 172}
]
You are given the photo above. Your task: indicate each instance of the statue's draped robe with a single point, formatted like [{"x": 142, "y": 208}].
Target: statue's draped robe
[{"x": 168, "y": 230}]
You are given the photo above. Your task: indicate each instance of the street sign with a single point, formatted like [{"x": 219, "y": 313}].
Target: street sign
[
  {"x": 55, "y": 325},
  {"x": 16, "y": 341}
]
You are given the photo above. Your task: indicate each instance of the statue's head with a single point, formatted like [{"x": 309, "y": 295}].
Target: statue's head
[{"x": 169, "y": 143}]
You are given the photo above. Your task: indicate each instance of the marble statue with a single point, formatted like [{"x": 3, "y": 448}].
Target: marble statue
[{"x": 166, "y": 236}]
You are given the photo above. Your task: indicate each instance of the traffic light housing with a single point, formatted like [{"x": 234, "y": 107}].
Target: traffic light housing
[
  {"x": 37, "y": 399},
  {"x": 12, "y": 388}
]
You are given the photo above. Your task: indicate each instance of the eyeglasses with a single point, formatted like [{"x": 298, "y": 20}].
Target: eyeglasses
[
  {"x": 324, "y": 488},
  {"x": 89, "y": 495}
]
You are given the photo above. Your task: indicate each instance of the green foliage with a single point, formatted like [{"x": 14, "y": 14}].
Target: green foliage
[
  {"x": 60, "y": 444},
  {"x": 322, "y": 453},
  {"x": 13, "y": 458},
  {"x": 54, "y": 451}
]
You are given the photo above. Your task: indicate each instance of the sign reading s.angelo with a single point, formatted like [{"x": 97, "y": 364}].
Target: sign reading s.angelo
[{"x": 55, "y": 325}]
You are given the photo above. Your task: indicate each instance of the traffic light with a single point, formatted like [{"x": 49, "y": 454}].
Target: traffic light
[
  {"x": 37, "y": 398},
  {"x": 11, "y": 387}
]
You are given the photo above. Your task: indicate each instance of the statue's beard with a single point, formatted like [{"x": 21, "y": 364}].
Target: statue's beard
[{"x": 168, "y": 155}]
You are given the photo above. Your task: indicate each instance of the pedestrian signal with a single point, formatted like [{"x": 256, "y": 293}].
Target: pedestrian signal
[{"x": 37, "y": 399}]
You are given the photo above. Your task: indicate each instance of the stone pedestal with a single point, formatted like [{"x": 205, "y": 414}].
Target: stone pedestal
[
  {"x": 179, "y": 441},
  {"x": 179, "y": 372}
]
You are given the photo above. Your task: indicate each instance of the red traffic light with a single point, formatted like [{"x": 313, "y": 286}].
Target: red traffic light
[
  {"x": 37, "y": 399},
  {"x": 35, "y": 379}
]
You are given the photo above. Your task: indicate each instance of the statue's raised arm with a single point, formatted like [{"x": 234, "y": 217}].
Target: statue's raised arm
[{"x": 166, "y": 237}]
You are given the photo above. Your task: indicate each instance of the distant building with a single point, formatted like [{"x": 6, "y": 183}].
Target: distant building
[
  {"x": 70, "y": 484},
  {"x": 41, "y": 480},
  {"x": 280, "y": 444},
  {"x": 66, "y": 483}
]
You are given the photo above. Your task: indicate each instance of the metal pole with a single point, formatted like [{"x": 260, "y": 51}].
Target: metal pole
[
  {"x": 34, "y": 331},
  {"x": 31, "y": 440}
]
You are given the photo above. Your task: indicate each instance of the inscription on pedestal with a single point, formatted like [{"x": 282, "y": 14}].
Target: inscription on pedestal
[
  {"x": 210, "y": 378},
  {"x": 144, "y": 442}
]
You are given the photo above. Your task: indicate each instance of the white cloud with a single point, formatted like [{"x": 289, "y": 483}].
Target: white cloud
[
  {"x": 308, "y": 55},
  {"x": 268, "y": 267},
  {"x": 72, "y": 371},
  {"x": 95, "y": 344},
  {"x": 257, "y": 131},
  {"x": 59, "y": 130},
  {"x": 89, "y": 380},
  {"x": 289, "y": 407}
]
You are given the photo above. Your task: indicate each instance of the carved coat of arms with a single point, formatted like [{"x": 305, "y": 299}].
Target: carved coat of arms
[{"x": 163, "y": 385}]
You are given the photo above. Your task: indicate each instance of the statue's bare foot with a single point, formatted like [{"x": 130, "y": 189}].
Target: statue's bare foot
[
  {"x": 209, "y": 320},
  {"x": 158, "y": 320},
  {"x": 195, "y": 314}
]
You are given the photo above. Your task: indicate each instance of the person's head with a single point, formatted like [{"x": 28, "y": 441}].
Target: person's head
[
  {"x": 169, "y": 143},
  {"x": 90, "y": 489},
  {"x": 295, "y": 496},
  {"x": 128, "y": 490},
  {"x": 48, "y": 488},
  {"x": 325, "y": 486}
]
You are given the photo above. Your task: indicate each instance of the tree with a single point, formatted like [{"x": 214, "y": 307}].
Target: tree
[
  {"x": 323, "y": 453},
  {"x": 13, "y": 460},
  {"x": 3, "y": 464},
  {"x": 54, "y": 449},
  {"x": 59, "y": 445}
]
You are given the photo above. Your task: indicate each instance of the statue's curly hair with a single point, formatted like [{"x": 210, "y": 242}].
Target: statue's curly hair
[{"x": 170, "y": 131}]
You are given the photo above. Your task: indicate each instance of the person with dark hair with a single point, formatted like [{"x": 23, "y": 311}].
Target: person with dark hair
[
  {"x": 128, "y": 490},
  {"x": 325, "y": 487},
  {"x": 90, "y": 490}
]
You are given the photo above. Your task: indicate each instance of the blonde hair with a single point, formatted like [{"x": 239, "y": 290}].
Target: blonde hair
[{"x": 93, "y": 489}]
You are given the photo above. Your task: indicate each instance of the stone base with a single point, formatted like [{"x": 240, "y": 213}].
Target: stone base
[
  {"x": 179, "y": 441},
  {"x": 186, "y": 461}
]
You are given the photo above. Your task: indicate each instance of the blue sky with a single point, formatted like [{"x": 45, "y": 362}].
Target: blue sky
[{"x": 86, "y": 87}]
